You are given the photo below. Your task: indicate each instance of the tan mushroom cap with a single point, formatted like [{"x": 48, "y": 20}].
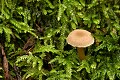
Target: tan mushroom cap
[{"x": 80, "y": 38}]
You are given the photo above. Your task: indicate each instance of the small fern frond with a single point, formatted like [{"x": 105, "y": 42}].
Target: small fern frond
[
  {"x": 47, "y": 48},
  {"x": 84, "y": 64}
]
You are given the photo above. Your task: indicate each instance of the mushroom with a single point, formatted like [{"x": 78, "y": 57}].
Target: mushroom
[{"x": 81, "y": 39}]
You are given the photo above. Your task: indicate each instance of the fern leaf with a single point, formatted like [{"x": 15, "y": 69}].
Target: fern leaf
[
  {"x": 73, "y": 25},
  {"x": 23, "y": 27},
  {"x": 49, "y": 3},
  {"x": 62, "y": 8},
  {"x": 7, "y": 16},
  {"x": 68, "y": 69},
  {"x": 40, "y": 64},
  {"x": 82, "y": 2},
  {"x": 7, "y": 30},
  {"x": 15, "y": 23},
  {"x": 1, "y": 29},
  {"x": 111, "y": 75},
  {"x": 85, "y": 65},
  {"x": 21, "y": 58},
  {"x": 34, "y": 62},
  {"x": 29, "y": 73},
  {"x": 53, "y": 60},
  {"x": 9, "y": 3},
  {"x": 47, "y": 48}
]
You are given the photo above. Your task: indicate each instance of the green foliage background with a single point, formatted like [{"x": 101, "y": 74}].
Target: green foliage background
[{"x": 46, "y": 24}]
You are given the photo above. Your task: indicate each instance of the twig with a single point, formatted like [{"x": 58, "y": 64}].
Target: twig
[
  {"x": 5, "y": 64},
  {"x": 29, "y": 45},
  {"x": 17, "y": 72}
]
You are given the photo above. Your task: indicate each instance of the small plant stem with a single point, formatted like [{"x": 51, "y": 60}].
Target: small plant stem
[{"x": 81, "y": 53}]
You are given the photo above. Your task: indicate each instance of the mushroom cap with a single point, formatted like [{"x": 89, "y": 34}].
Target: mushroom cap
[{"x": 80, "y": 38}]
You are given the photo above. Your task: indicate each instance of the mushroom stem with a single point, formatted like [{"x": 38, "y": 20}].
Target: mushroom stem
[{"x": 81, "y": 53}]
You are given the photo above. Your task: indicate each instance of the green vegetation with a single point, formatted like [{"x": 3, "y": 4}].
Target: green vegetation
[{"x": 33, "y": 37}]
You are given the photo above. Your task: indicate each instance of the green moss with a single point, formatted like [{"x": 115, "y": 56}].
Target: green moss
[{"x": 33, "y": 33}]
